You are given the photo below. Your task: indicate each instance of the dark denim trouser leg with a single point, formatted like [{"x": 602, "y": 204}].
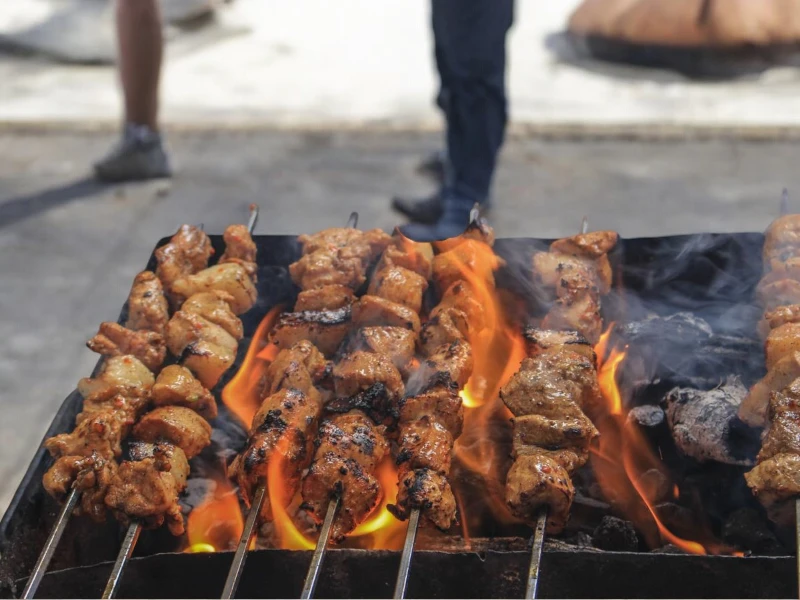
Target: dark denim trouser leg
[{"x": 471, "y": 45}]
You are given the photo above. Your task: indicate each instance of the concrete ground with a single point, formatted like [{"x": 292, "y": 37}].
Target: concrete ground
[{"x": 69, "y": 248}]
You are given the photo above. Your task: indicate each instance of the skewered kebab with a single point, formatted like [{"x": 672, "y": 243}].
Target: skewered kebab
[
  {"x": 774, "y": 401},
  {"x": 557, "y": 384}
]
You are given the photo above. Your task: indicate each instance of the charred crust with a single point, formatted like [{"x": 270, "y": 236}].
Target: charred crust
[
  {"x": 327, "y": 318},
  {"x": 273, "y": 421},
  {"x": 403, "y": 456},
  {"x": 375, "y": 401}
]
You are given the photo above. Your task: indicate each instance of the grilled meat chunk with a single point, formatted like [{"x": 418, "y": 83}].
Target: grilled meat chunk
[
  {"x": 444, "y": 327},
  {"x": 396, "y": 343},
  {"x": 539, "y": 340},
  {"x": 92, "y": 475},
  {"x": 425, "y": 444},
  {"x": 281, "y": 431},
  {"x": 125, "y": 375},
  {"x": 781, "y": 342},
  {"x": 776, "y": 483},
  {"x": 147, "y": 490},
  {"x": 101, "y": 432},
  {"x": 328, "y": 297},
  {"x": 147, "y": 305},
  {"x": 176, "y": 386},
  {"x": 574, "y": 434},
  {"x": 399, "y": 285},
  {"x": 365, "y": 244},
  {"x": 441, "y": 403},
  {"x": 567, "y": 273},
  {"x": 581, "y": 313},
  {"x": 782, "y": 239},
  {"x": 177, "y": 425},
  {"x": 187, "y": 252},
  {"x": 215, "y": 306},
  {"x": 299, "y": 367},
  {"x": 325, "y": 329},
  {"x": 208, "y": 361},
  {"x": 230, "y": 277},
  {"x": 553, "y": 383},
  {"x": 535, "y": 481},
  {"x": 325, "y": 268},
  {"x": 359, "y": 371},
  {"x": 777, "y": 317},
  {"x": 453, "y": 359},
  {"x": 403, "y": 252},
  {"x": 348, "y": 449},
  {"x": 753, "y": 409},
  {"x": 186, "y": 328},
  {"x": 372, "y": 310},
  {"x": 431, "y": 493},
  {"x": 594, "y": 244},
  {"x": 461, "y": 297},
  {"x": 466, "y": 256},
  {"x": 239, "y": 244},
  {"x": 113, "y": 339}
]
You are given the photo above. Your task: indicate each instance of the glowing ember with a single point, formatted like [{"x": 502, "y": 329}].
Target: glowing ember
[
  {"x": 623, "y": 455},
  {"x": 216, "y": 524}
]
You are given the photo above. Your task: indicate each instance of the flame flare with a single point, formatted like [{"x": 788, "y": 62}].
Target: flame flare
[{"x": 624, "y": 455}]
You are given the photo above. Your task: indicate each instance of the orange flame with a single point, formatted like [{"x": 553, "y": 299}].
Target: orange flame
[
  {"x": 216, "y": 524},
  {"x": 623, "y": 455},
  {"x": 386, "y": 531},
  {"x": 241, "y": 395}
]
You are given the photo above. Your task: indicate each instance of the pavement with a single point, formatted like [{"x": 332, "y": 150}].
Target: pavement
[{"x": 69, "y": 248}]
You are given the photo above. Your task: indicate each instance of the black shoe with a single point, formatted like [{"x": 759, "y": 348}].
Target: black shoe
[
  {"x": 452, "y": 223},
  {"x": 425, "y": 210},
  {"x": 434, "y": 166}
]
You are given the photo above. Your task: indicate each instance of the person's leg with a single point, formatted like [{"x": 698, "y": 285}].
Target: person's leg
[
  {"x": 140, "y": 154},
  {"x": 473, "y": 37}
]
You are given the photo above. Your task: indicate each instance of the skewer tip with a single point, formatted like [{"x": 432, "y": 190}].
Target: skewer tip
[
  {"x": 784, "y": 206},
  {"x": 352, "y": 222}
]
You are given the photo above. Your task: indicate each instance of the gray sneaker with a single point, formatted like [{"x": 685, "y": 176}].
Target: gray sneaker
[{"x": 137, "y": 156}]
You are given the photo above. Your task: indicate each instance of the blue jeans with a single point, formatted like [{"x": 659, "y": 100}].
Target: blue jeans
[{"x": 470, "y": 50}]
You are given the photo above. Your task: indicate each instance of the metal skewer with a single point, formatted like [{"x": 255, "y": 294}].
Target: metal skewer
[
  {"x": 536, "y": 554},
  {"x": 315, "y": 567},
  {"x": 237, "y": 566},
  {"x": 51, "y": 544},
  {"x": 128, "y": 544},
  {"x": 405, "y": 558}
]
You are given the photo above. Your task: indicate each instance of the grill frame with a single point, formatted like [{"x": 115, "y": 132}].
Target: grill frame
[{"x": 715, "y": 253}]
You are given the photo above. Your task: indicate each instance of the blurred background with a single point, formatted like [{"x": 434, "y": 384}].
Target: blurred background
[{"x": 650, "y": 117}]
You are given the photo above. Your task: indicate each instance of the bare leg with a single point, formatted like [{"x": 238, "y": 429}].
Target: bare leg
[{"x": 141, "y": 47}]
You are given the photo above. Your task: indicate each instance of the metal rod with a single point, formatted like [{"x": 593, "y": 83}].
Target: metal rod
[
  {"x": 475, "y": 213},
  {"x": 784, "y": 205},
  {"x": 797, "y": 540},
  {"x": 315, "y": 567},
  {"x": 251, "y": 222},
  {"x": 405, "y": 558},
  {"x": 51, "y": 544},
  {"x": 237, "y": 566},
  {"x": 352, "y": 221},
  {"x": 536, "y": 554},
  {"x": 128, "y": 544},
  {"x": 585, "y": 224}
]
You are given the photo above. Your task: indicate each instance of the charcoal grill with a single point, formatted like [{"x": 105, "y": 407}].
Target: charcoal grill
[{"x": 713, "y": 275}]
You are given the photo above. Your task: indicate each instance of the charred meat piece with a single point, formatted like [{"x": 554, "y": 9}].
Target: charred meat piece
[
  {"x": 176, "y": 386},
  {"x": 569, "y": 274},
  {"x": 535, "y": 481},
  {"x": 566, "y": 458},
  {"x": 441, "y": 403},
  {"x": 215, "y": 306},
  {"x": 359, "y": 371},
  {"x": 466, "y": 256},
  {"x": 782, "y": 239},
  {"x": 281, "y": 431},
  {"x": 187, "y": 252},
  {"x": 552, "y": 380},
  {"x": 186, "y": 328},
  {"x": 125, "y": 375},
  {"x": 425, "y": 444},
  {"x": 328, "y": 297},
  {"x": 177, "y": 425},
  {"x": 348, "y": 449},
  {"x": 453, "y": 359},
  {"x": 92, "y": 475},
  {"x": 399, "y": 285},
  {"x": 428, "y": 491},
  {"x": 581, "y": 313},
  {"x": 444, "y": 327},
  {"x": 574, "y": 434},
  {"x": 230, "y": 277},
  {"x": 539, "y": 340},
  {"x": 753, "y": 409},
  {"x": 147, "y": 306},
  {"x": 461, "y": 297},
  {"x": 112, "y": 339},
  {"x": 591, "y": 245},
  {"x": 239, "y": 244},
  {"x": 326, "y": 329},
  {"x": 299, "y": 367},
  {"x": 777, "y": 317},
  {"x": 147, "y": 490},
  {"x": 372, "y": 310},
  {"x": 781, "y": 342},
  {"x": 403, "y": 252},
  {"x": 776, "y": 483},
  {"x": 208, "y": 361},
  {"x": 783, "y": 435},
  {"x": 396, "y": 343}
]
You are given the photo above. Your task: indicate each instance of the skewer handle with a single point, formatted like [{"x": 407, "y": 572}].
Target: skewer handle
[
  {"x": 237, "y": 566},
  {"x": 125, "y": 552},
  {"x": 536, "y": 555},
  {"x": 405, "y": 558},
  {"x": 315, "y": 567},
  {"x": 51, "y": 544}
]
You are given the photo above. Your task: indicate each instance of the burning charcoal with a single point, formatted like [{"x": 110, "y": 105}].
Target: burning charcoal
[
  {"x": 655, "y": 485},
  {"x": 647, "y": 417},
  {"x": 747, "y": 529},
  {"x": 669, "y": 549},
  {"x": 616, "y": 535},
  {"x": 703, "y": 423},
  {"x": 678, "y": 519}
]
